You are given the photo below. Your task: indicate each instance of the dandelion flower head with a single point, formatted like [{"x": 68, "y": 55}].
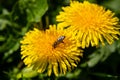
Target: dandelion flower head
[
  {"x": 50, "y": 51},
  {"x": 91, "y": 22}
]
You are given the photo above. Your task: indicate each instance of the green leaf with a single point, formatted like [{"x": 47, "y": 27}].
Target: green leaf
[
  {"x": 2, "y": 38},
  {"x": 101, "y": 54},
  {"x": 94, "y": 59},
  {"x": 5, "y": 46},
  {"x": 4, "y": 23},
  {"x": 74, "y": 74},
  {"x": 13, "y": 46},
  {"x": 27, "y": 73},
  {"x": 113, "y": 4},
  {"x": 105, "y": 75},
  {"x": 35, "y": 9}
]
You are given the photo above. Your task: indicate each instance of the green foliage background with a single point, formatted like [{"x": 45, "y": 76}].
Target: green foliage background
[{"x": 19, "y": 16}]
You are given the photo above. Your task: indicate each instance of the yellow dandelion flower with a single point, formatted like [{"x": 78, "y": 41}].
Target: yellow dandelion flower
[
  {"x": 51, "y": 51},
  {"x": 91, "y": 22}
]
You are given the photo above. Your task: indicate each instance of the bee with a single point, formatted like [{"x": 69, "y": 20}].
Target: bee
[{"x": 58, "y": 41}]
